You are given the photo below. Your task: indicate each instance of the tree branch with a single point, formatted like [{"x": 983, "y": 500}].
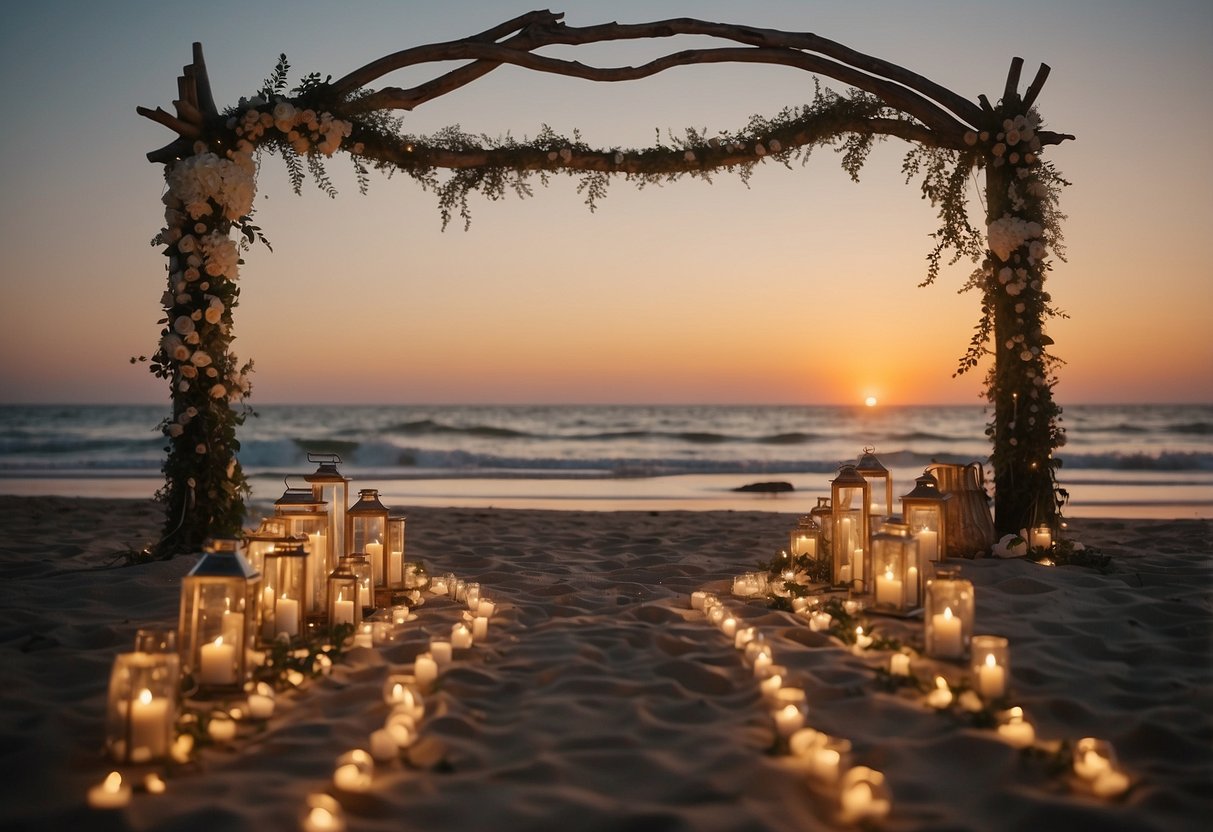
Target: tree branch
[
  {"x": 181, "y": 128},
  {"x": 1029, "y": 97}
]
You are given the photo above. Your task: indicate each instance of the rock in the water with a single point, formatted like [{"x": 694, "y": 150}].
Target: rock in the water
[{"x": 777, "y": 487}]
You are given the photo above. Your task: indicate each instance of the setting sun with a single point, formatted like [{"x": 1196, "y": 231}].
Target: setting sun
[{"x": 870, "y": 401}]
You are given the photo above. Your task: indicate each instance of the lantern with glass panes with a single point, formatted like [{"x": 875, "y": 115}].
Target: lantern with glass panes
[
  {"x": 307, "y": 517},
  {"x": 284, "y": 580},
  {"x": 849, "y": 495},
  {"x": 219, "y": 618},
  {"x": 333, "y": 489},
  {"x": 948, "y": 615},
  {"x": 394, "y": 555},
  {"x": 896, "y": 572},
  {"x": 880, "y": 483},
  {"x": 141, "y": 712},
  {"x": 806, "y": 539},
  {"x": 268, "y": 536},
  {"x": 924, "y": 512},
  {"x": 361, "y": 567},
  {"x": 345, "y": 596},
  {"x": 823, "y": 515},
  {"x": 366, "y": 533}
]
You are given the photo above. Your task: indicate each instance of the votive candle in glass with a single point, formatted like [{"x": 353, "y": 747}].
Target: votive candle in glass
[{"x": 989, "y": 668}]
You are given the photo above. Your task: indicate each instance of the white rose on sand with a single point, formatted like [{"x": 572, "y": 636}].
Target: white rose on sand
[{"x": 1010, "y": 546}]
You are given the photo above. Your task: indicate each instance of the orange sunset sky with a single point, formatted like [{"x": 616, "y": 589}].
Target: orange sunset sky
[{"x": 801, "y": 288}]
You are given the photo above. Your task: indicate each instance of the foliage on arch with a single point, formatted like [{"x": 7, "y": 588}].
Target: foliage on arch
[{"x": 211, "y": 184}]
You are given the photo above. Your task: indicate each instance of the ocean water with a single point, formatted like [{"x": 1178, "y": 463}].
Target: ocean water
[{"x": 1131, "y": 460}]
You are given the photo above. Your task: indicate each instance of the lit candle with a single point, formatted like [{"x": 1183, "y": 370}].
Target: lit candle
[
  {"x": 788, "y": 720},
  {"x": 402, "y": 728},
  {"x": 461, "y": 636},
  {"x": 383, "y": 747},
  {"x": 438, "y": 586},
  {"x": 1016, "y": 731},
  {"x": 154, "y": 784},
  {"x": 820, "y": 621},
  {"x": 286, "y": 616},
  {"x": 316, "y": 546},
  {"x": 1110, "y": 783},
  {"x": 928, "y": 544},
  {"x": 946, "y": 641},
  {"x": 111, "y": 793},
  {"x": 697, "y": 599},
  {"x": 729, "y": 626},
  {"x": 771, "y": 685},
  {"x": 761, "y": 662},
  {"x": 395, "y": 568},
  {"x": 221, "y": 729},
  {"x": 217, "y": 663},
  {"x": 374, "y": 553},
  {"x": 486, "y": 608},
  {"x": 913, "y": 593},
  {"x": 425, "y": 669},
  {"x": 149, "y": 717},
  {"x": 991, "y": 678},
  {"x": 1041, "y": 538},
  {"x": 261, "y": 703},
  {"x": 343, "y": 611},
  {"x": 899, "y": 664},
  {"x": 348, "y": 777},
  {"x": 323, "y": 814},
  {"x": 744, "y": 636},
  {"x": 1090, "y": 761},
  {"x": 888, "y": 589},
  {"x": 480, "y": 628},
  {"x": 862, "y": 641},
  {"x": 858, "y": 801},
  {"x": 365, "y": 637},
  {"x": 441, "y": 651},
  {"x": 941, "y": 696}
]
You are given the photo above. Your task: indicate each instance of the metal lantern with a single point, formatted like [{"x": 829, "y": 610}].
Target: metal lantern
[
  {"x": 806, "y": 539},
  {"x": 849, "y": 493},
  {"x": 361, "y": 567},
  {"x": 366, "y": 533},
  {"x": 141, "y": 713},
  {"x": 285, "y": 581},
  {"x": 948, "y": 616},
  {"x": 219, "y": 617},
  {"x": 823, "y": 515},
  {"x": 896, "y": 571},
  {"x": 269, "y": 535},
  {"x": 333, "y": 489},
  {"x": 307, "y": 516},
  {"x": 880, "y": 482},
  {"x": 924, "y": 510},
  {"x": 344, "y": 593}
]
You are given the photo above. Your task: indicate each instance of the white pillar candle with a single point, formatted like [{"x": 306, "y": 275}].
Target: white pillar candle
[
  {"x": 820, "y": 621},
  {"x": 744, "y": 636},
  {"x": 1041, "y": 538},
  {"x": 913, "y": 591},
  {"x": 425, "y": 669},
  {"x": 888, "y": 589},
  {"x": 486, "y": 608},
  {"x": 374, "y": 553},
  {"x": 856, "y": 801},
  {"x": 286, "y": 617},
  {"x": 788, "y": 720},
  {"x": 260, "y": 706},
  {"x": 343, "y": 611},
  {"x": 928, "y": 544},
  {"x": 441, "y": 651},
  {"x": 480, "y": 628},
  {"x": 221, "y": 730},
  {"x": 395, "y": 568},
  {"x": 728, "y": 626},
  {"x": 862, "y": 641},
  {"x": 1017, "y": 731},
  {"x": 697, "y": 599},
  {"x": 382, "y": 747},
  {"x": 216, "y": 664},
  {"x": 991, "y": 678},
  {"x": 461, "y": 636},
  {"x": 111, "y": 793},
  {"x": 149, "y": 717},
  {"x": 941, "y": 696},
  {"x": 947, "y": 642},
  {"x": 899, "y": 664}
]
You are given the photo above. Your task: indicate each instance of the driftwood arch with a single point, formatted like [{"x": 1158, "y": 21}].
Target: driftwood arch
[{"x": 211, "y": 177}]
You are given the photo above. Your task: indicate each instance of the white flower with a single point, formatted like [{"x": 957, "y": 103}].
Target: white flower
[
  {"x": 183, "y": 386},
  {"x": 200, "y": 359},
  {"x": 776, "y": 146},
  {"x": 174, "y": 347},
  {"x": 200, "y": 448},
  {"x": 189, "y": 371},
  {"x": 759, "y": 150},
  {"x": 689, "y": 155},
  {"x": 175, "y": 430},
  {"x": 218, "y": 391},
  {"x": 566, "y": 154},
  {"x": 222, "y": 255},
  {"x": 970, "y": 138},
  {"x": 214, "y": 313},
  {"x": 183, "y": 325}
]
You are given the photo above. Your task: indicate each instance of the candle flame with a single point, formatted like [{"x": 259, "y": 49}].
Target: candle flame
[
  {"x": 321, "y": 818},
  {"x": 113, "y": 782},
  {"x": 145, "y": 697},
  {"x": 219, "y": 641},
  {"x": 1015, "y": 714},
  {"x": 947, "y": 614},
  {"x": 398, "y": 691},
  {"x": 888, "y": 574},
  {"x": 941, "y": 683},
  {"x": 990, "y": 660}
]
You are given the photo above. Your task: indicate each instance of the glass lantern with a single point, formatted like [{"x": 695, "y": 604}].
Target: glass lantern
[
  {"x": 285, "y": 581},
  {"x": 269, "y": 535},
  {"x": 880, "y": 483},
  {"x": 219, "y": 617},
  {"x": 849, "y": 527},
  {"x": 989, "y": 667},
  {"x": 896, "y": 570},
  {"x": 308, "y": 517},
  {"x": 331, "y": 488},
  {"x": 924, "y": 510},
  {"x": 394, "y": 562},
  {"x": 344, "y": 594},
  {"x": 948, "y": 615},
  {"x": 361, "y": 567},
  {"x": 366, "y": 525},
  {"x": 141, "y": 713},
  {"x": 823, "y": 515},
  {"x": 806, "y": 539}
]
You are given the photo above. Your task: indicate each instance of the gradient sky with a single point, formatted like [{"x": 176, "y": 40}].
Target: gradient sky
[{"x": 800, "y": 289}]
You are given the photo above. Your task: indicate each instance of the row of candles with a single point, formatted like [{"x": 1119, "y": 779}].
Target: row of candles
[
  {"x": 144, "y": 702},
  {"x": 861, "y": 792}
]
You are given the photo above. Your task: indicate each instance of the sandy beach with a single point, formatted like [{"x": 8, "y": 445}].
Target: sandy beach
[{"x": 602, "y": 701}]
